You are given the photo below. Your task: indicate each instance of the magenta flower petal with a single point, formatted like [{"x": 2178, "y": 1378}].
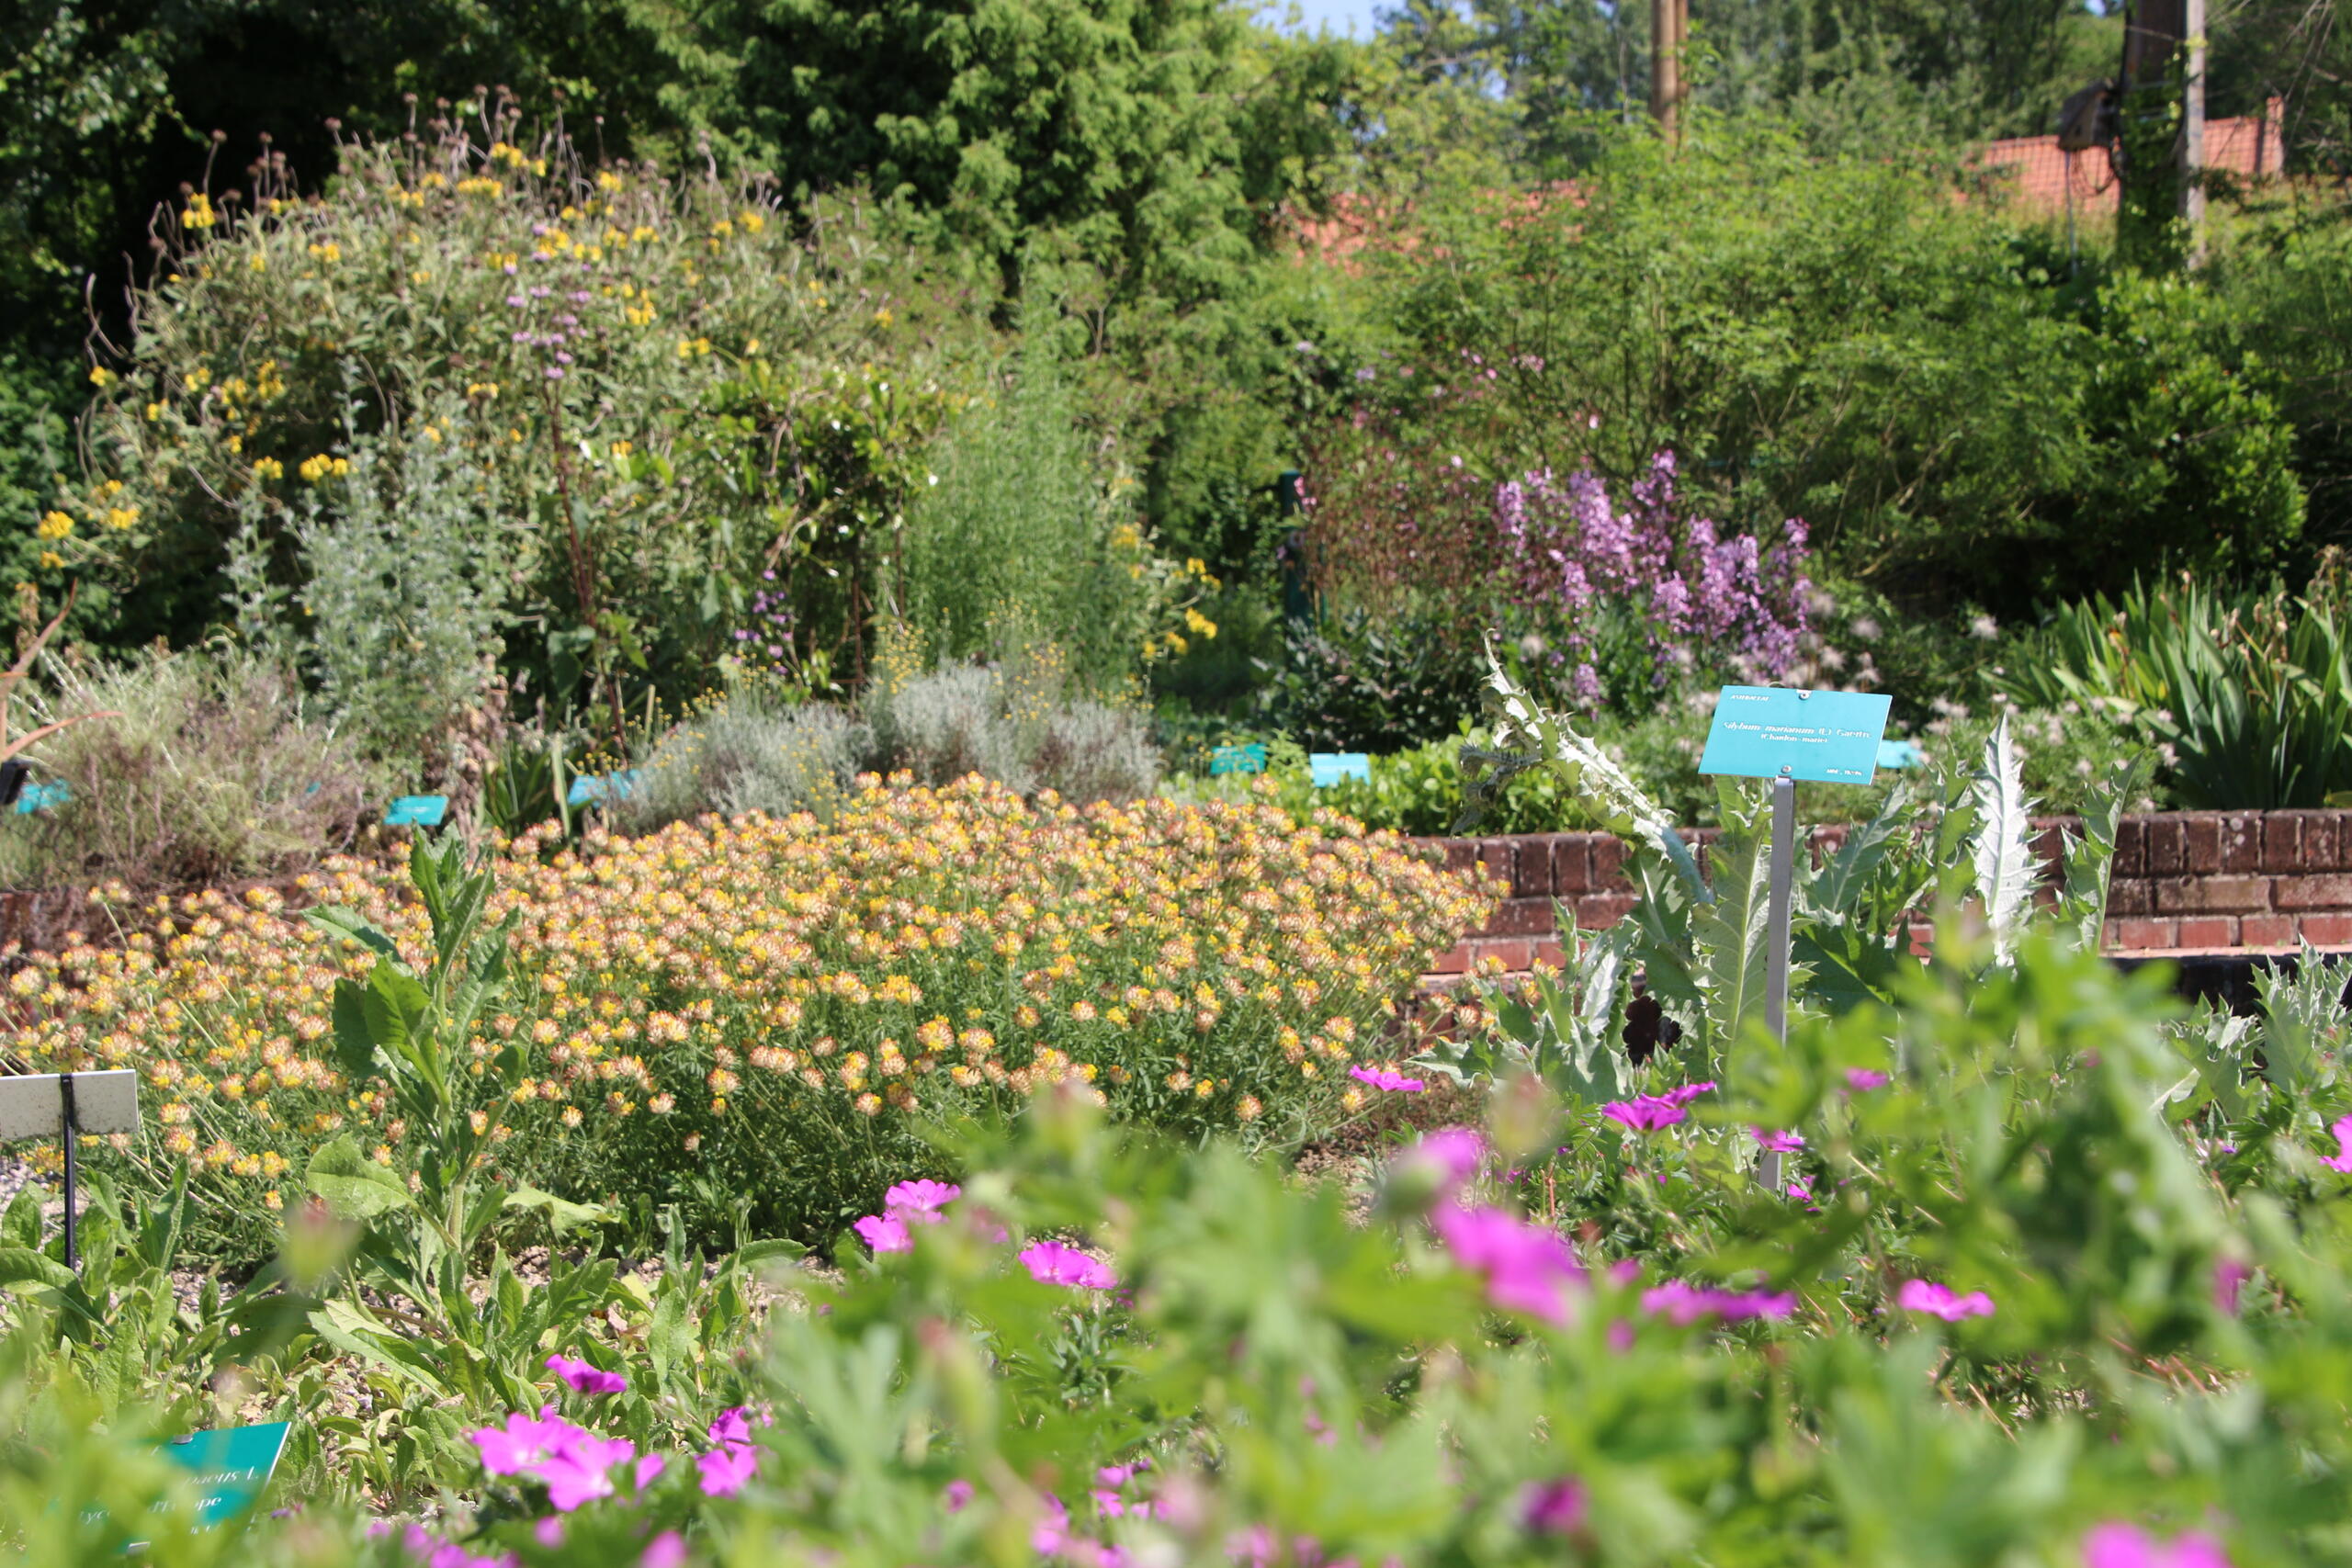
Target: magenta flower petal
[
  {"x": 885, "y": 1232},
  {"x": 1051, "y": 1263},
  {"x": 726, "y": 1469},
  {"x": 587, "y": 1379},
  {"x": 2342, "y": 1159},
  {"x": 1680, "y": 1303},
  {"x": 1939, "y": 1301},
  {"x": 1555, "y": 1507},
  {"x": 1529, "y": 1268},
  {"x": 920, "y": 1200},
  {"x": 1648, "y": 1113},
  {"x": 2118, "y": 1545},
  {"x": 1863, "y": 1078},
  {"x": 667, "y": 1550},
  {"x": 1382, "y": 1078},
  {"x": 523, "y": 1444},
  {"x": 1777, "y": 1143}
]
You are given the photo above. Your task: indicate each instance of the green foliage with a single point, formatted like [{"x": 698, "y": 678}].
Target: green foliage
[
  {"x": 1840, "y": 340},
  {"x": 2247, "y": 696}
]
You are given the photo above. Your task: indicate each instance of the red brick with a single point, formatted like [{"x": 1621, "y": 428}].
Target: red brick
[
  {"x": 1923, "y": 941},
  {"x": 1609, "y": 864},
  {"x": 2268, "y": 931},
  {"x": 2140, "y": 936},
  {"x": 2320, "y": 834},
  {"x": 1551, "y": 953},
  {"x": 1522, "y": 916},
  {"x": 2132, "y": 896},
  {"x": 2204, "y": 843},
  {"x": 1598, "y": 911},
  {"x": 2340, "y": 824},
  {"x": 2131, "y": 849},
  {"x": 2208, "y": 931},
  {"x": 1513, "y": 953},
  {"x": 2049, "y": 846},
  {"x": 2327, "y": 929},
  {"x": 1461, "y": 854},
  {"x": 2282, "y": 842},
  {"x": 1455, "y": 961},
  {"x": 1497, "y": 857},
  {"x": 2166, "y": 850},
  {"x": 2242, "y": 841},
  {"x": 2214, "y": 895},
  {"x": 1572, "y": 864},
  {"x": 2330, "y": 890},
  {"x": 1532, "y": 870}
]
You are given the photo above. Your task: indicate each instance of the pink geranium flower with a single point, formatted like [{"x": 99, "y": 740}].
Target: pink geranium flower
[
  {"x": 667, "y": 1550},
  {"x": 1863, "y": 1078},
  {"x": 522, "y": 1445},
  {"x": 885, "y": 1232},
  {"x": 585, "y": 1378},
  {"x": 1555, "y": 1507},
  {"x": 1687, "y": 1093},
  {"x": 2342, "y": 1159},
  {"x": 582, "y": 1471},
  {"x": 1647, "y": 1113},
  {"x": 1382, "y": 1078},
  {"x": 1777, "y": 1143},
  {"x": 1682, "y": 1303},
  {"x": 1937, "y": 1301},
  {"x": 920, "y": 1200},
  {"x": 2230, "y": 1276},
  {"x": 2118, "y": 1545},
  {"x": 1051, "y": 1263},
  {"x": 726, "y": 1469},
  {"x": 1529, "y": 1268}
]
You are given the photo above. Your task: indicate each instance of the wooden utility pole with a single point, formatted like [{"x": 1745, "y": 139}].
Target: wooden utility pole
[
  {"x": 1669, "y": 27},
  {"x": 2192, "y": 132}
]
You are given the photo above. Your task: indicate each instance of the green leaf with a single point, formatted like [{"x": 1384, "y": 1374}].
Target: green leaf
[
  {"x": 22, "y": 1269},
  {"x": 563, "y": 1215},
  {"x": 354, "y": 1185},
  {"x": 336, "y": 921}
]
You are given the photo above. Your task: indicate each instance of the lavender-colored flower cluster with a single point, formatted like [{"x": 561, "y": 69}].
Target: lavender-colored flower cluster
[{"x": 1571, "y": 552}]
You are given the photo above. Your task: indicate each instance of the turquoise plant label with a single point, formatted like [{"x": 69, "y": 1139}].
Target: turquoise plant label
[
  {"x": 1900, "y": 754},
  {"x": 1780, "y": 732},
  {"x": 230, "y": 1466},
  {"x": 35, "y": 798},
  {"x": 1249, "y": 758},
  {"x": 1325, "y": 769},
  {"x": 417, "y": 811},
  {"x": 588, "y": 788}
]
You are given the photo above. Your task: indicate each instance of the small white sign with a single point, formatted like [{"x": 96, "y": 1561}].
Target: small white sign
[{"x": 32, "y": 1106}]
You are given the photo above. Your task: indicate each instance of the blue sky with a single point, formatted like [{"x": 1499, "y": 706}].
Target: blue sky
[{"x": 1341, "y": 15}]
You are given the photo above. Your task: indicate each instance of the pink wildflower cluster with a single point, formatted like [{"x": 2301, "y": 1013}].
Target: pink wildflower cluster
[
  {"x": 1051, "y": 1263},
  {"x": 1568, "y": 547},
  {"x": 1382, "y": 1078},
  {"x": 907, "y": 1203},
  {"x": 574, "y": 1464}
]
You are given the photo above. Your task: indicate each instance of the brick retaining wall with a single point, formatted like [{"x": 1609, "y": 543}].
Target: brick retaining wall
[{"x": 2183, "y": 882}]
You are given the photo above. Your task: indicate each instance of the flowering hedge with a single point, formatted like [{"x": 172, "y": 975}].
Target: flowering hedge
[{"x": 753, "y": 1012}]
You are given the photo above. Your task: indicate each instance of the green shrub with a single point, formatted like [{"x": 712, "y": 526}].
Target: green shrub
[
  {"x": 218, "y": 767},
  {"x": 752, "y": 750},
  {"x": 2245, "y": 697}
]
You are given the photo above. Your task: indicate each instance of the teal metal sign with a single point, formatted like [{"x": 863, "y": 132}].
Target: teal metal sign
[
  {"x": 1325, "y": 769},
  {"x": 230, "y": 1466},
  {"x": 1249, "y": 758},
  {"x": 1779, "y": 732},
  {"x": 417, "y": 811}
]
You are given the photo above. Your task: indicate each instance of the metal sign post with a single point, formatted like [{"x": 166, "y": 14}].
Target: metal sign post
[
  {"x": 64, "y": 1106},
  {"x": 1784, "y": 735}
]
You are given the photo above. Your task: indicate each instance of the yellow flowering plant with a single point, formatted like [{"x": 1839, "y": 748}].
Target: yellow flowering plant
[{"x": 753, "y": 1018}]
